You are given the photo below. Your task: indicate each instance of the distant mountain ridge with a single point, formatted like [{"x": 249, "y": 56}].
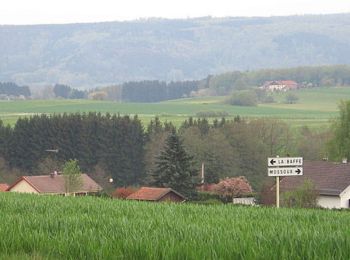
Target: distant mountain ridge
[{"x": 89, "y": 55}]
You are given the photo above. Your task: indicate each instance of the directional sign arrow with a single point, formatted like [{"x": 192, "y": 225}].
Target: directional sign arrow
[
  {"x": 285, "y": 171},
  {"x": 284, "y": 161}
]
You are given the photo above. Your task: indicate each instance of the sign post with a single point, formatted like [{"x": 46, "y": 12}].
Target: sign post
[{"x": 283, "y": 166}]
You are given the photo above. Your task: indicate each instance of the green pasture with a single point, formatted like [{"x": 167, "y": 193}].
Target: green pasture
[
  {"x": 54, "y": 227},
  {"x": 315, "y": 107}
]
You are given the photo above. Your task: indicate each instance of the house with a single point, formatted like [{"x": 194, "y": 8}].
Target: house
[
  {"x": 156, "y": 194},
  {"x": 53, "y": 184},
  {"x": 280, "y": 85},
  {"x": 331, "y": 180},
  {"x": 3, "y": 187}
]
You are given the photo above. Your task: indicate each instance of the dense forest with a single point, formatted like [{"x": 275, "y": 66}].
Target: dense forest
[
  {"x": 121, "y": 147},
  {"x": 96, "y": 54},
  {"x": 12, "y": 89}
]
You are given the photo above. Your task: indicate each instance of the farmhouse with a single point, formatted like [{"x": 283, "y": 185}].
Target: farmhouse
[
  {"x": 156, "y": 194},
  {"x": 331, "y": 180},
  {"x": 53, "y": 184},
  {"x": 3, "y": 187},
  {"x": 280, "y": 85}
]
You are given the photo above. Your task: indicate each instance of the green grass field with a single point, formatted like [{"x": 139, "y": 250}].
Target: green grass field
[
  {"x": 53, "y": 227},
  {"x": 316, "y": 107}
]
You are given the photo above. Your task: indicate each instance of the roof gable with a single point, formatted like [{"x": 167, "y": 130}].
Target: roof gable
[
  {"x": 56, "y": 184},
  {"x": 152, "y": 194}
]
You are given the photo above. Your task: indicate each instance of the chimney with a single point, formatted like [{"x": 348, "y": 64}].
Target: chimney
[
  {"x": 345, "y": 160},
  {"x": 53, "y": 174}
]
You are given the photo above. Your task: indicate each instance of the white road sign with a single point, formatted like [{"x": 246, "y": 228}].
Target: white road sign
[
  {"x": 286, "y": 171},
  {"x": 284, "y": 161}
]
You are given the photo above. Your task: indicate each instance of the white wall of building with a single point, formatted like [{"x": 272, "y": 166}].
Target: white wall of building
[
  {"x": 345, "y": 198},
  {"x": 329, "y": 202}
]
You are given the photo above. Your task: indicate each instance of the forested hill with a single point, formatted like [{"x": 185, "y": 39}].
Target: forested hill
[{"x": 113, "y": 52}]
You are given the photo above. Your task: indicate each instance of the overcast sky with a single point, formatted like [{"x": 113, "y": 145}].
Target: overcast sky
[{"x": 72, "y": 11}]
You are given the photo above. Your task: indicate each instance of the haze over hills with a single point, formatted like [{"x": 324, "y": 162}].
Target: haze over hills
[{"x": 88, "y": 55}]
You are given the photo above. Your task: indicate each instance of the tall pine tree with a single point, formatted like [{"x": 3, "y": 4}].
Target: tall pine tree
[{"x": 174, "y": 167}]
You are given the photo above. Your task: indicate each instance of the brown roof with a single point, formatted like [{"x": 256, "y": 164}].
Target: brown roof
[
  {"x": 152, "y": 194},
  {"x": 3, "y": 187},
  {"x": 329, "y": 178},
  {"x": 48, "y": 184}
]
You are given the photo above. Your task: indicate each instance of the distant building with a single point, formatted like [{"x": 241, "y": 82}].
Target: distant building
[
  {"x": 157, "y": 195},
  {"x": 53, "y": 184},
  {"x": 4, "y": 187},
  {"x": 280, "y": 85},
  {"x": 331, "y": 180}
]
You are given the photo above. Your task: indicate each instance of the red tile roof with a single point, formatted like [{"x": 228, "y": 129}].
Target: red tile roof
[
  {"x": 3, "y": 187},
  {"x": 329, "y": 178},
  {"x": 152, "y": 194},
  {"x": 48, "y": 184}
]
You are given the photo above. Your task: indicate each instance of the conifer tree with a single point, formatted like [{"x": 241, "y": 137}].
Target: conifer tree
[{"x": 174, "y": 167}]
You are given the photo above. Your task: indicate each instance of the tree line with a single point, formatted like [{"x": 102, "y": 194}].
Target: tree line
[
  {"x": 10, "y": 88},
  {"x": 317, "y": 76},
  {"x": 120, "y": 147}
]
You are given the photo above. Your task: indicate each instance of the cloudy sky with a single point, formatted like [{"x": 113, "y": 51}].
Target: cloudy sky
[{"x": 72, "y": 11}]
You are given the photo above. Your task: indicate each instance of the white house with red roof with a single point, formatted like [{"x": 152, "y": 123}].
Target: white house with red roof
[{"x": 280, "y": 85}]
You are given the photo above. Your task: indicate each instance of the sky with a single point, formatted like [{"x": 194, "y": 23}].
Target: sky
[{"x": 78, "y": 11}]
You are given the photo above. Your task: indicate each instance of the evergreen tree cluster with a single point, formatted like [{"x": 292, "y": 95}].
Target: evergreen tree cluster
[
  {"x": 10, "y": 88},
  {"x": 64, "y": 91},
  {"x": 154, "y": 91},
  {"x": 112, "y": 141}
]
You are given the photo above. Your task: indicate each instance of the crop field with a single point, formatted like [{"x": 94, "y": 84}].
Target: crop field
[
  {"x": 315, "y": 107},
  {"x": 52, "y": 227}
]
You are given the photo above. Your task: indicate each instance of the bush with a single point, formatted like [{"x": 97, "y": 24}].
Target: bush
[
  {"x": 243, "y": 98},
  {"x": 212, "y": 114},
  {"x": 291, "y": 98},
  {"x": 304, "y": 196}
]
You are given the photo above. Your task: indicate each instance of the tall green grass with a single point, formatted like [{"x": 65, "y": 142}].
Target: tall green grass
[{"x": 50, "y": 227}]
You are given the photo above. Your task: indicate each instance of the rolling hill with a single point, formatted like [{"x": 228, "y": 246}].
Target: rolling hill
[{"x": 88, "y": 55}]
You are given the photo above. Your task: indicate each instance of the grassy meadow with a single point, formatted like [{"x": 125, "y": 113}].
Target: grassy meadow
[
  {"x": 53, "y": 227},
  {"x": 315, "y": 108}
]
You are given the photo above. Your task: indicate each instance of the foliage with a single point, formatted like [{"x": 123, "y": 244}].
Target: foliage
[
  {"x": 243, "y": 98},
  {"x": 10, "y": 88},
  {"x": 123, "y": 192},
  {"x": 339, "y": 145},
  {"x": 304, "y": 196},
  {"x": 72, "y": 176},
  {"x": 134, "y": 230},
  {"x": 113, "y": 141},
  {"x": 291, "y": 98},
  {"x": 204, "y": 114},
  {"x": 154, "y": 91},
  {"x": 65, "y": 91},
  {"x": 174, "y": 167},
  {"x": 235, "y": 187}
]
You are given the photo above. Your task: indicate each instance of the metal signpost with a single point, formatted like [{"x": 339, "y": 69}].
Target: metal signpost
[{"x": 283, "y": 166}]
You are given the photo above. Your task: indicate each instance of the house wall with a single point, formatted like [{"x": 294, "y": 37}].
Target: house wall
[
  {"x": 329, "y": 202},
  {"x": 244, "y": 201},
  {"x": 171, "y": 196},
  {"x": 345, "y": 198},
  {"x": 23, "y": 187}
]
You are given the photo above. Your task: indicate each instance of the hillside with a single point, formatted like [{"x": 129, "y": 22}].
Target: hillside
[{"x": 87, "y": 55}]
